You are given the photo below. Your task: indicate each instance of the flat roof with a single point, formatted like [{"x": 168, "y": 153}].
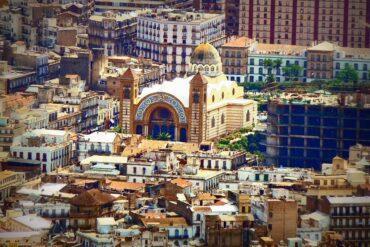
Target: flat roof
[{"x": 349, "y": 200}]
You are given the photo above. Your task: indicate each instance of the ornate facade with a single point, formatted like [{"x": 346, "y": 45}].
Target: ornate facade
[{"x": 202, "y": 106}]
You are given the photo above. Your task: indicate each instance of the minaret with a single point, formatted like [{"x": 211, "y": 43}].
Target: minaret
[
  {"x": 129, "y": 91},
  {"x": 198, "y": 109}
]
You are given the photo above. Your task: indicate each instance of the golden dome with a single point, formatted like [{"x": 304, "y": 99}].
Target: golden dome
[{"x": 205, "y": 54}]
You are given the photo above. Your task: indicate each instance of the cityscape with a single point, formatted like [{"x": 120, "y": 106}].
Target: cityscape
[{"x": 164, "y": 123}]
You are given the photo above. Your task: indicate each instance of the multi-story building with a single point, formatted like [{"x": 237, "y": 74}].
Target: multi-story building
[
  {"x": 113, "y": 32},
  {"x": 13, "y": 79},
  {"x": 50, "y": 149},
  {"x": 102, "y": 143},
  {"x": 229, "y": 230},
  {"x": 210, "y": 6},
  {"x": 87, "y": 102},
  {"x": 9, "y": 181},
  {"x": 244, "y": 60},
  {"x": 225, "y": 160},
  {"x": 234, "y": 57},
  {"x": 88, "y": 206},
  {"x": 8, "y": 131},
  {"x": 108, "y": 73},
  {"x": 302, "y": 22},
  {"x": 33, "y": 59},
  {"x": 350, "y": 218},
  {"x": 170, "y": 36},
  {"x": 127, "y": 5},
  {"x": 77, "y": 62},
  {"x": 280, "y": 216},
  {"x": 308, "y": 130}
]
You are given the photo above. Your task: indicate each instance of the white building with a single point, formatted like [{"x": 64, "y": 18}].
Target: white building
[
  {"x": 225, "y": 160},
  {"x": 255, "y": 174},
  {"x": 51, "y": 148},
  {"x": 287, "y": 54},
  {"x": 100, "y": 143},
  {"x": 169, "y": 36}
]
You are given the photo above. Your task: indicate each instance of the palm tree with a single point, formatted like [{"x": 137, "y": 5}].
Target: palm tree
[
  {"x": 269, "y": 65},
  {"x": 164, "y": 136}
]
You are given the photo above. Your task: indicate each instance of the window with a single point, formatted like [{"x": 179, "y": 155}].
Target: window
[
  {"x": 144, "y": 170},
  {"x": 134, "y": 170},
  {"x": 222, "y": 118},
  {"x": 247, "y": 116},
  {"x": 29, "y": 156},
  {"x": 213, "y": 122},
  {"x": 196, "y": 97}
]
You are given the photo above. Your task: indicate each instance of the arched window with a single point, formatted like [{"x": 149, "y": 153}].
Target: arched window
[
  {"x": 222, "y": 118},
  {"x": 186, "y": 233},
  {"x": 198, "y": 217},
  {"x": 213, "y": 122},
  {"x": 196, "y": 97},
  {"x": 247, "y": 116},
  {"x": 177, "y": 233}
]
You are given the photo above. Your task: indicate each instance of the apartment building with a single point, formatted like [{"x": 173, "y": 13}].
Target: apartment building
[
  {"x": 36, "y": 60},
  {"x": 234, "y": 57},
  {"x": 8, "y": 131},
  {"x": 350, "y": 218},
  {"x": 127, "y": 5},
  {"x": 100, "y": 143},
  {"x": 77, "y": 62},
  {"x": 169, "y": 36},
  {"x": 49, "y": 149},
  {"x": 280, "y": 216},
  {"x": 244, "y": 60},
  {"x": 301, "y": 22},
  {"x": 9, "y": 181},
  {"x": 311, "y": 129},
  {"x": 226, "y": 160},
  {"x": 112, "y": 68},
  {"x": 13, "y": 79},
  {"x": 113, "y": 32},
  {"x": 326, "y": 60}
]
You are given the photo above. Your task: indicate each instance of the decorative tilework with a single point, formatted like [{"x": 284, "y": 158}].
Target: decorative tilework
[{"x": 157, "y": 98}]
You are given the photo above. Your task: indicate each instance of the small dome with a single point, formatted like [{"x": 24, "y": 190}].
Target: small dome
[{"x": 205, "y": 54}]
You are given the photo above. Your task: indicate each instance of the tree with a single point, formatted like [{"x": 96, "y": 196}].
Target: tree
[
  {"x": 348, "y": 74},
  {"x": 277, "y": 63},
  {"x": 268, "y": 64},
  {"x": 293, "y": 72}
]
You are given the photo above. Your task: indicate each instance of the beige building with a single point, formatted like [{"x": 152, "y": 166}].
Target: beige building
[
  {"x": 9, "y": 181},
  {"x": 202, "y": 106},
  {"x": 302, "y": 22},
  {"x": 282, "y": 217}
]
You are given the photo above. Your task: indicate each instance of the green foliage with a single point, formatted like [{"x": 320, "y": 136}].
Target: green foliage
[
  {"x": 293, "y": 72},
  {"x": 117, "y": 129},
  {"x": 348, "y": 74},
  {"x": 249, "y": 143},
  {"x": 164, "y": 136}
]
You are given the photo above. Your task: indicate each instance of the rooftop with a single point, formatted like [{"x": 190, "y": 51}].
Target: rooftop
[
  {"x": 93, "y": 197},
  {"x": 34, "y": 222},
  {"x": 241, "y": 42},
  {"x": 353, "y": 200}
]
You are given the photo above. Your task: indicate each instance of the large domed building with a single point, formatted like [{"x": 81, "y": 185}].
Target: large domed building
[{"x": 202, "y": 106}]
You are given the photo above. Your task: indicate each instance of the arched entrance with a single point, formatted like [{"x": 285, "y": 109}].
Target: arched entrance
[{"x": 162, "y": 124}]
